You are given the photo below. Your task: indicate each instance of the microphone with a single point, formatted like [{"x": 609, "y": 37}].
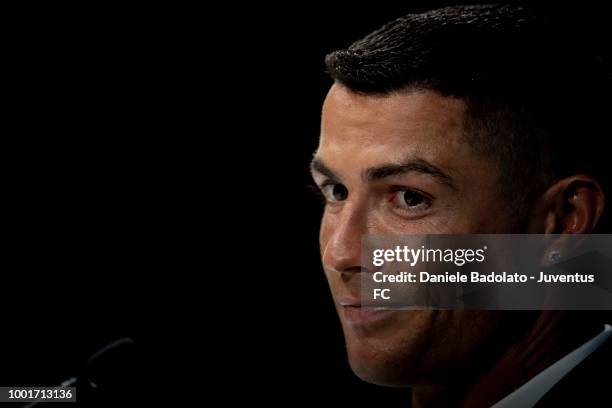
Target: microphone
[{"x": 103, "y": 369}]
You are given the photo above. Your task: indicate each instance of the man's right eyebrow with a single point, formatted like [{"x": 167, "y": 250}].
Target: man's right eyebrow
[{"x": 317, "y": 165}]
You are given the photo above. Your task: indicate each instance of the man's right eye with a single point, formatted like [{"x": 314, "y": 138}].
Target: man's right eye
[{"x": 334, "y": 192}]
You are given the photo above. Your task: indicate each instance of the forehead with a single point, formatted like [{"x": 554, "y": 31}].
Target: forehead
[{"x": 392, "y": 127}]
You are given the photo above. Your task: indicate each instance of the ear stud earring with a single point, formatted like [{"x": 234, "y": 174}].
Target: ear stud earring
[{"x": 555, "y": 256}]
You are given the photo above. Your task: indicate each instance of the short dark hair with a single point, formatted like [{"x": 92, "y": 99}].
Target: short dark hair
[{"x": 530, "y": 88}]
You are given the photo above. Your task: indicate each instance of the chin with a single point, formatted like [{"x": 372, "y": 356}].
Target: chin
[
  {"x": 396, "y": 350},
  {"x": 382, "y": 364}
]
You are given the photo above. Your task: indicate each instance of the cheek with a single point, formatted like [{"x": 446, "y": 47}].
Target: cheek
[
  {"x": 476, "y": 212},
  {"x": 490, "y": 217}
]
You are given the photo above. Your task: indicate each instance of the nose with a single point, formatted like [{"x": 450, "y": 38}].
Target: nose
[{"x": 341, "y": 235}]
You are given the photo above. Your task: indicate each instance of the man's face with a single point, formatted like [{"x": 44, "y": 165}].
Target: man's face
[{"x": 399, "y": 164}]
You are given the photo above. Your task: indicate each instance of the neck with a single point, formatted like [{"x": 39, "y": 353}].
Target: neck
[{"x": 553, "y": 335}]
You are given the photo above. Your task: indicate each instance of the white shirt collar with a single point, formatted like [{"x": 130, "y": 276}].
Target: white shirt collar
[{"x": 533, "y": 390}]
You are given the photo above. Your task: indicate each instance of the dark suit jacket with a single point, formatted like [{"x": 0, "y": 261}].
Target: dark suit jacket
[{"x": 589, "y": 384}]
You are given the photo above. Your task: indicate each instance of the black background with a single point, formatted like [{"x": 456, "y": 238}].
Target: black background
[
  {"x": 300, "y": 344},
  {"x": 157, "y": 187}
]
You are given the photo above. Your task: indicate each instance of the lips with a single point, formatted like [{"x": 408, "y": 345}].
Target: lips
[
  {"x": 355, "y": 314},
  {"x": 351, "y": 302}
]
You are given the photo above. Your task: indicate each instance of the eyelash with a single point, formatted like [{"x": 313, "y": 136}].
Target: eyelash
[
  {"x": 427, "y": 199},
  {"x": 324, "y": 186}
]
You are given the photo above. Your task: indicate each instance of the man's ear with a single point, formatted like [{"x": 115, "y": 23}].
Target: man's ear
[{"x": 572, "y": 205}]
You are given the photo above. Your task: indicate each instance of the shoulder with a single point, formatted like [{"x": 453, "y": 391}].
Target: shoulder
[{"x": 588, "y": 384}]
